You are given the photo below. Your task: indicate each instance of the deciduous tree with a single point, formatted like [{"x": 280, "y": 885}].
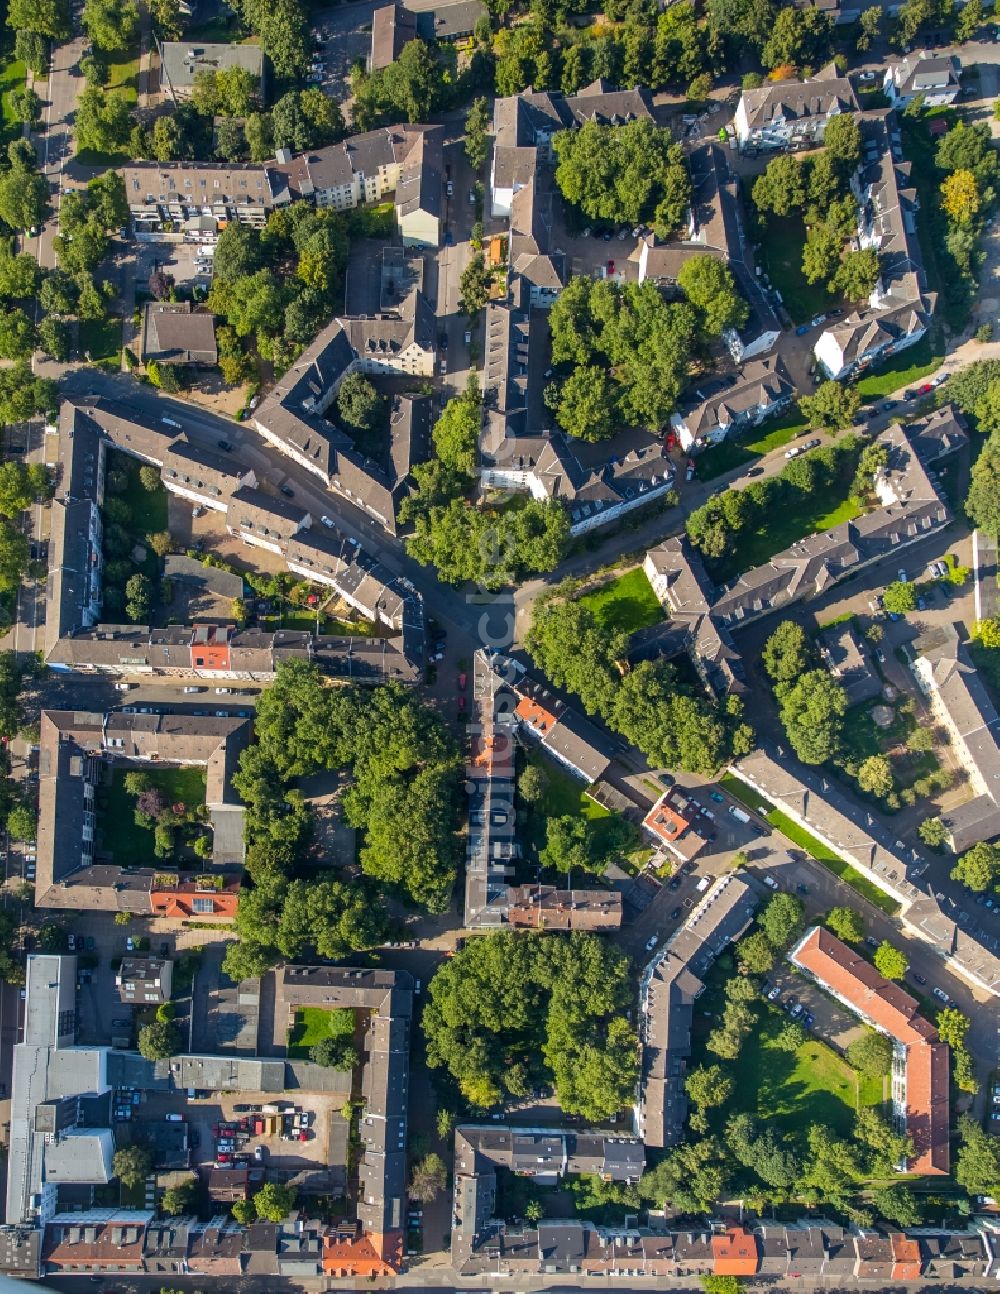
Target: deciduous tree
[
  {"x": 979, "y": 868},
  {"x": 889, "y": 961}
]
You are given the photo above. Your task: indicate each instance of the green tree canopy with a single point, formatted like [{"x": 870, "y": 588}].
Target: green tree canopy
[
  {"x": 979, "y": 868},
  {"x": 781, "y": 920},
  {"x": 982, "y": 503},
  {"x": 787, "y": 652},
  {"x": 626, "y": 174},
  {"x": 812, "y": 711},
  {"x": 456, "y": 432},
  {"x": 832, "y": 406},
  {"x": 889, "y": 961},
  {"x": 132, "y": 1165},
  {"x": 871, "y": 1054},
  {"x": 274, "y": 1202},
  {"x": 549, "y": 1005},
  {"x": 846, "y": 924},
  {"x": 709, "y": 285},
  {"x": 782, "y": 188}
]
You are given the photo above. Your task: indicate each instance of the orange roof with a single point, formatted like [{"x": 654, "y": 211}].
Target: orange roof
[
  {"x": 735, "y": 1253},
  {"x": 179, "y": 901},
  {"x": 535, "y": 715},
  {"x": 665, "y": 822},
  {"x": 353, "y": 1256},
  {"x": 905, "y": 1257},
  {"x": 891, "y": 1009},
  {"x": 493, "y": 751},
  {"x": 843, "y": 969}
]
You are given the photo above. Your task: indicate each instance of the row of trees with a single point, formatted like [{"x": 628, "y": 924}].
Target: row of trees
[
  {"x": 510, "y": 1011},
  {"x": 818, "y": 188},
  {"x": 405, "y": 769},
  {"x": 976, "y": 391},
  {"x": 647, "y": 703},
  {"x": 966, "y": 166}
]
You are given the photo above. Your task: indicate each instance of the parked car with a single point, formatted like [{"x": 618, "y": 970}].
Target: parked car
[
  {"x": 675, "y": 914},
  {"x": 287, "y": 491},
  {"x": 651, "y": 942},
  {"x": 771, "y": 883}
]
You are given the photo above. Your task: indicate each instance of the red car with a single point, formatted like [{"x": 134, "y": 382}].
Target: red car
[
  {"x": 303, "y": 1136},
  {"x": 611, "y": 267},
  {"x": 461, "y": 682},
  {"x": 223, "y": 1157},
  {"x": 925, "y": 389}
]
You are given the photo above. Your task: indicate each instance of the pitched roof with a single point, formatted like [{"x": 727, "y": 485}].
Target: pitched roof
[
  {"x": 891, "y": 1010},
  {"x": 822, "y": 94}
]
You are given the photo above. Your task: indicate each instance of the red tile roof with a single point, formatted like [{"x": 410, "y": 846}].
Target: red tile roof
[
  {"x": 735, "y": 1253},
  {"x": 905, "y": 1257},
  {"x": 891, "y": 1009}
]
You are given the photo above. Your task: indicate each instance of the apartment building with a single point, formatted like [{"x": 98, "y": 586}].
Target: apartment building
[
  {"x": 959, "y": 701},
  {"x": 933, "y": 78},
  {"x": 920, "y": 1070},
  {"x": 900, "y": 306},
  {"x": 792, "y": 114},
  {"x": 670, "y": 985}
]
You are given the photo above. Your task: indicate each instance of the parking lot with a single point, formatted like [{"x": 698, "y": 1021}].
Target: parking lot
[
  {"x": 806, "y": 1002},
  {"x": 344, "y": 38},
  {"x": 301, "y": 1140},
  {"x": 186, "y": 263}
]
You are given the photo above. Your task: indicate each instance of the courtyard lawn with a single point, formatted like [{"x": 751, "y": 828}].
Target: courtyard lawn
[
  {"x": 773, "y": 435},
  {"x": 627, "y": 603},
  {"x": 832, "y": 862},
  {"x": 101, "y": 340},
  {"x": 904, "y": 369},
  {"x": 782, "y": 239},
  {"x": 314, "y": 1023},
  {"x": 780, "y": 531},
  {"x": 787, "y": 1090},
  {"x": 131, "y": 845},
  {"x": 566, "y": 797},
  {"x": 148, "y": 508}
]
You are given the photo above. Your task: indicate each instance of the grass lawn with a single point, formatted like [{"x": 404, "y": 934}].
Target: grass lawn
[
  {"x": 148, "y": 508},
  {"x": 129, "y": 844},
  {"x": 832, "y": 862},
  {"x": 627, "y": 603},
  {"x": 782, "y": 239},
  {"x": 565, "y": 797},
  {"x": 313, "y": 1024},
  {"x": 907, "y": 367},
  {"x": 12, "y": 77},
  {"x": 101, "y": 340},
  {"x": 780, "y": 531},
  {"x": 745, "y": 793},
  {"x": 733, "y": 453},
  {"x": 787, "y": 1090}
]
